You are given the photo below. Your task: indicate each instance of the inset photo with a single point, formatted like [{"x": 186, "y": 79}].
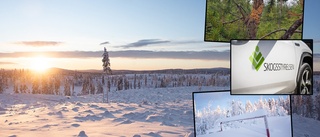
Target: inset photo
[
  {"x": 253, "y": 19},
  {"x": 272, "y": 67},
  {"x": 219, "y": 114}
]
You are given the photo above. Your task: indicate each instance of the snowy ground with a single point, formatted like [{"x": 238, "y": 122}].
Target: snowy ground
[
  {"x": 146, "y": 112},
  {"x": 279, "y": 127},
  {"x": 305, "y": 127}
]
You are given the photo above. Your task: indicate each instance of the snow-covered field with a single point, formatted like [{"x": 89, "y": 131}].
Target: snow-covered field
[
  {"x": 305, "y": 127},
  {"x": 278, "y": 126},
  {"x": 145, "y": 112}
]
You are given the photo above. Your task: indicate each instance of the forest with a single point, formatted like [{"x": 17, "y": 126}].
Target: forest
[
  {"x": 73, "y": 83},
  {"x": 253, "y": 19}
]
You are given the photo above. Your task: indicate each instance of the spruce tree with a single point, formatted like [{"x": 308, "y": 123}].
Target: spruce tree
[
  {"x": 1, "y": 86},
  {"x": 67, "y": 91},
  {"x": 99, "y": 88},
  {"x": 106, "y": 69},
  {"x": 57, "y": 85},
  {"x": 106, "y": 62}
]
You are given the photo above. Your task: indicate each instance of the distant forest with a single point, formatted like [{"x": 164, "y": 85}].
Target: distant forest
[{"x": 253, "y": 19}]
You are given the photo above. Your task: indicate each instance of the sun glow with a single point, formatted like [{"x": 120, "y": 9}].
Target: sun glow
[{"x": 39, "y": 64}]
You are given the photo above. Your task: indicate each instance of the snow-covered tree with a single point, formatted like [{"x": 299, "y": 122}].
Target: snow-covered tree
[
  {"x": 106, "y": 62},
  {"x": 67, "y": 90},
  {"x": 23, "y": 88},
  {"x": 236, "y": 108},
  {"x": 44, "y": 86},
  {"x": 57, "y": 85},
  {"x": 85, "y": 87},
  {"x": 135, "y": 81},
  {"x": 317, "y": 104},
  {"x": 16, "y": 87},
  {"x": 308, "y": 104},
  {"x": 1, "y": 85},
  {"x": 106, "y": 68},
  {"x": 249, "y": 107},
  {"x": 99, "y": 88},
  {"x": 92, "y": 89},
  {"x": 35, "y": 87},
  {"x": 51, "y": 86}
]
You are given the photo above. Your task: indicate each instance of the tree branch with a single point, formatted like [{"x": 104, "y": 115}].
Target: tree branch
[
  {"x": 231, "y": 21},
  {"x": 242, "y": 11},
  {"x": 292, "y": 29},
  {"x": 275, "y": 31},
  {"x": 227, "y": 11}
]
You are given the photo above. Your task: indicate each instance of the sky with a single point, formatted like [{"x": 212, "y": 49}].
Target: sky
[
  {"x": 223, "y": 99},
  {"x": 138, "y": 34},
  {"x": 311, "y": 28}
]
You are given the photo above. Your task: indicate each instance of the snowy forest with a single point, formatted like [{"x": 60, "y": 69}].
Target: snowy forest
[
  {"x": 75, "y": 83},
  {"x": 306, "y": 111},
  {"x": 208, "y": 117},
  {"x": 308, "y": 106}
]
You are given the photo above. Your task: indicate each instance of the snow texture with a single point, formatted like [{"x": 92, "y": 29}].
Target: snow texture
[{"x": 134, "y": 112}]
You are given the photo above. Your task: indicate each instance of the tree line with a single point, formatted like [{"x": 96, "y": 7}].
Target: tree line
[{"x": 79, "y": 83}]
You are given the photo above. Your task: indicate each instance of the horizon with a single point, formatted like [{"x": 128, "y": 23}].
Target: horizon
[{"x": 88, "y": 70}]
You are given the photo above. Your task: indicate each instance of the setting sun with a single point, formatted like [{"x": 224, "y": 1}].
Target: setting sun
[{"x": 39, "y": 63}]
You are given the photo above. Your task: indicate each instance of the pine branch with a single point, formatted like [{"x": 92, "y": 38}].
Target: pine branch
[
  {"x": 232, "y": 21},
  {"x": 219, "y": 7},
  {"x": 241, "y": 9},
  {"x": 275, "y": 31},
  {"x": 292, "y": 29}
]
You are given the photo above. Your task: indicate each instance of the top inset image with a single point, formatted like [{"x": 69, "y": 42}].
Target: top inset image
[{"x": 253, "y": 19}]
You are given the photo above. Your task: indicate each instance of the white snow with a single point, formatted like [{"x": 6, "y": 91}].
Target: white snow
[
  {"x": 305, "y": 127},
  {"x": 133, "y": 112},
  {"x": 257, "y": 113},
  {"x": 279, "y": 127}
]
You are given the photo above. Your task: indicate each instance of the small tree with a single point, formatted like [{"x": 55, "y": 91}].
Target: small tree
[
  {"x": 16, "y": 87},
  {"x": 1, "y": 85},
  {"x": 67, "y": 91},
  {"x": 35, "y": 86},
  {"x": 99, "y": 88},
  {"x": 106, "y": 69},
  {"x": 85, "y": 87},
  {"x": 92, "y": 88},
  {"x": 23, "y": 88},
  {"x": 57, "y": 85}
]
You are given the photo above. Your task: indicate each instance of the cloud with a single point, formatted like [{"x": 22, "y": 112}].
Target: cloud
[
  {"x": 316, "y": 41},
  {"x": 6, "y": 63},
  {"x": 107, "y": 42},
  {"x": 187, "y": 42},
  {"x": 316, "y": 56},
  {"x": 201, "y": 42},
  {"x": 144, "y": 42},
  {"x": 39, "y": 43},
  {"x": 199, "y": 55}
]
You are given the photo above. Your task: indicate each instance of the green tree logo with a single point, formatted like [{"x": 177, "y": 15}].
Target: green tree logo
[{"x": 256, "y": 58}]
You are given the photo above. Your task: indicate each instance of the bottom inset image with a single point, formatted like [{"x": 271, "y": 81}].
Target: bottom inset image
[{"x": 219, "y": 114}]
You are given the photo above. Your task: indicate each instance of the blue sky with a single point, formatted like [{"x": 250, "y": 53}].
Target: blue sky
[
  {"x": 224, "y": 98},
  {"x": 311, "y": 27},
  {"x": 87, "y": 24}
]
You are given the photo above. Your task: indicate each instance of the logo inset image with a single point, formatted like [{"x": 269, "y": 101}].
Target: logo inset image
[{"x": 256, "y": 59}]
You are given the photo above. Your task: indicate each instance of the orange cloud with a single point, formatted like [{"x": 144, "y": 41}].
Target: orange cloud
[{"x": 39, "y": 43}]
